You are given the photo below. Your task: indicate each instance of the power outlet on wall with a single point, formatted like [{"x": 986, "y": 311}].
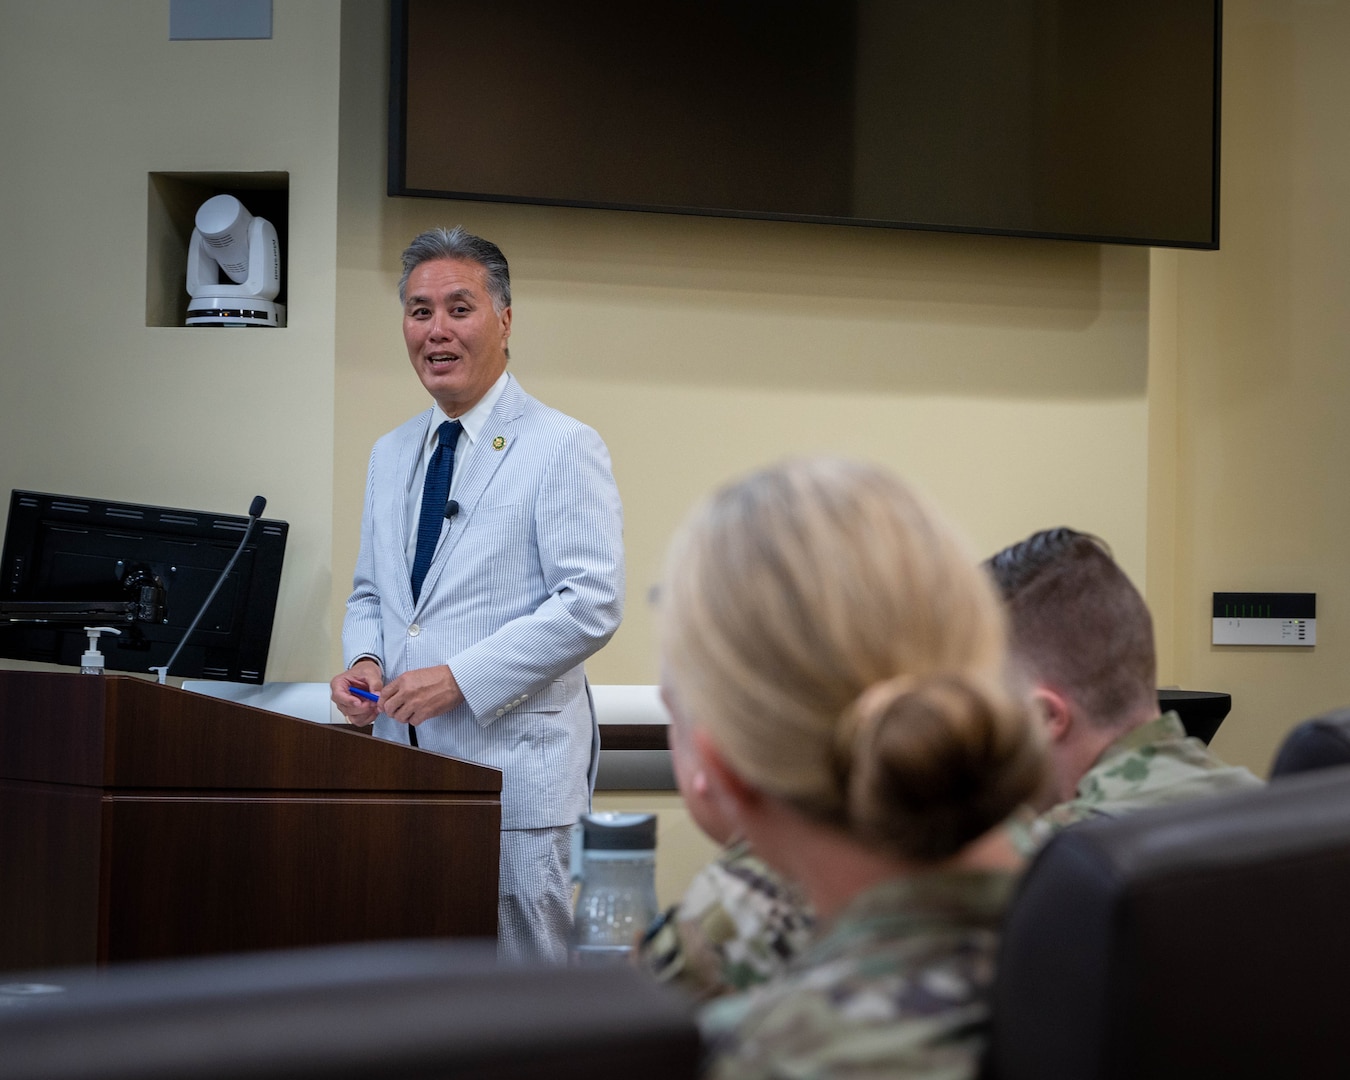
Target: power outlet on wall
[{"x": 1265, "y": 618}]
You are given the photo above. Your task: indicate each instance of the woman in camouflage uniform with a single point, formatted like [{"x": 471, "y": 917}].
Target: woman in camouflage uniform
[{"x": 834, "y": 663}]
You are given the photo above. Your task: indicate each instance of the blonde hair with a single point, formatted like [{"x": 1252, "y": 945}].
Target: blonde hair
[{"x": 847, "y": 656}]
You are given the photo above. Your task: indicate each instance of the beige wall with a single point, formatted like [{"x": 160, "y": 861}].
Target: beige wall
[
  {"x": 92, "y": 401},
  {"x": 1185, "y": 405},
  {"x": 1006, "y": 377},
  {"x": 1252, "y": 382}
]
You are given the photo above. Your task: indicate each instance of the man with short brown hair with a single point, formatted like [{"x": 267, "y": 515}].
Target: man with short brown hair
[{"x": 1084, "y": 637}]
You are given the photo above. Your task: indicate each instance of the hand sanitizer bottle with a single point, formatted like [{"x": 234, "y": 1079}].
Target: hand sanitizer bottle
[{"x": 91, "y": 663}]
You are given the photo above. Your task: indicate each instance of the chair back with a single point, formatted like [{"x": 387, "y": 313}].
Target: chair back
[
  {"x": 1204, "y": 939},
  {"x": 371, "y": 1011},
  {"x": 1318, "y": 743}
]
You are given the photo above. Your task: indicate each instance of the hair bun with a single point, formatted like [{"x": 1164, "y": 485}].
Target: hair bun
[{"x": 930, "y": 764}]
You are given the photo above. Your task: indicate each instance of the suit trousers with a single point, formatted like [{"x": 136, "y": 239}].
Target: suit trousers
[{"x": 534, "y": 905}]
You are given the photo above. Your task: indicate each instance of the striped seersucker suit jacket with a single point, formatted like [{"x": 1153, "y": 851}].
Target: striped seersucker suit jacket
[{"x": 526, "y": 583}]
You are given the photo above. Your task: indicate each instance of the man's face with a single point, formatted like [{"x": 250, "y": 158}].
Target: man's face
[{"x": 456, "y": 341}]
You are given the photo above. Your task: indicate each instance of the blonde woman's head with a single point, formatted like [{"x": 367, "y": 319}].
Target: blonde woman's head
[{"x": 838, "y": 644}]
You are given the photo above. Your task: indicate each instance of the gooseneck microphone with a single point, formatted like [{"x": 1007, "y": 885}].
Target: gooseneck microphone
[{"x": 255, "y": 509}]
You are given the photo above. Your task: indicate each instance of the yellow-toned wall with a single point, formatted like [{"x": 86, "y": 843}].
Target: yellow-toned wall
[
  {"x": 92, "y": 401},
  {"x": 1009, "y": 378},
  {"x": 1250, "y": 385},
  {"x": 1189, "y": 406},
  {"x": 1006, "y": 377}
]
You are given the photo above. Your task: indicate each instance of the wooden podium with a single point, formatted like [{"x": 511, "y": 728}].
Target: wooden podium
[{"x": 140, "y": 821}]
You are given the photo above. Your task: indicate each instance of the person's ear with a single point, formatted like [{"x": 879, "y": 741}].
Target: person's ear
[
  {"x": 1055, "y": 711},
  {"x": 733, "y": 796}
]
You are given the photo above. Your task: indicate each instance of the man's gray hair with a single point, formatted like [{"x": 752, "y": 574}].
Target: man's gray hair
[{"x": 459, "y": 243}]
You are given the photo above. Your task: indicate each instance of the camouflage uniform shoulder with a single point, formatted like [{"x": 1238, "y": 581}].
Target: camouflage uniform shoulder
[
  {"x": 898, "y": 987},
  {"x": 738, "y": 924},
  {"x": 1153, "y": 765}
]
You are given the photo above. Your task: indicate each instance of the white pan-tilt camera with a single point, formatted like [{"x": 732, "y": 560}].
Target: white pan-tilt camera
[{"x": 229, "y": 240}]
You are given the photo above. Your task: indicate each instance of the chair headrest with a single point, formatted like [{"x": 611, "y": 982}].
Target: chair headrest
[
  {"x": 1318, "y": 743},
  {"x": 1204, "y": 939}
]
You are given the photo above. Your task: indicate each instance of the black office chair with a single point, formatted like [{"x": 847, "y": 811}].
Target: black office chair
[
  {"x": 1318, "y": 743},
  {"x": 1208, "y": 939},
  {"x": 375, "y": 1011}
]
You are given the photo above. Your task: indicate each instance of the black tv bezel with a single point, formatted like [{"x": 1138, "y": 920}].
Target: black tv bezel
[
  {"x": 397, "y": 161},
  {"x": 241, "y": 657}
]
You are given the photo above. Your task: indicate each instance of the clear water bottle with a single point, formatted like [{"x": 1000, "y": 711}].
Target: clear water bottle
[{"x": 617, "y": 901}]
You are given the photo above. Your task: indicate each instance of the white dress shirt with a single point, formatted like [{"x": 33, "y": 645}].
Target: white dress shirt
[{"x": 472, "y": 424}]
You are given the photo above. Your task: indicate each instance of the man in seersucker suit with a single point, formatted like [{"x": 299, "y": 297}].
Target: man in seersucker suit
[{"x": 474, "y": 607}]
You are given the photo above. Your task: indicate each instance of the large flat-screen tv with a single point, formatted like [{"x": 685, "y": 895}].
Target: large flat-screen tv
[
  {"x": 1075, "y": 119},
  {"x": 71, "y": 562}
]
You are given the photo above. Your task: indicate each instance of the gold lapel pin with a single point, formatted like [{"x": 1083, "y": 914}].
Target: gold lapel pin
[{"x": 498, "y": 443}]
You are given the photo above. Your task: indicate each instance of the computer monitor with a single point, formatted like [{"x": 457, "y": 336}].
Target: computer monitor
[{"x": 71, "y": 562}]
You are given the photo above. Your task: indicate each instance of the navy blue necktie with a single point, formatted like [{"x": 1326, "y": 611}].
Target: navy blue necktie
[{"x": 435, "y": 492}]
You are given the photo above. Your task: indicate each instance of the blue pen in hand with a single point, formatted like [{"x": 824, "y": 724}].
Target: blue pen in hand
[{"x": 363, "y": 693}]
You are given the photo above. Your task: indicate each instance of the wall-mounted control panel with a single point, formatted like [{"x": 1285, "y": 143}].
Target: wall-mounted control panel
[{"x": 1260, "y": 618}]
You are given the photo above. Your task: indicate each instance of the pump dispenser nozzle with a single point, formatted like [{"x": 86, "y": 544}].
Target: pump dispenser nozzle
[{"x": 91, "y": 663}]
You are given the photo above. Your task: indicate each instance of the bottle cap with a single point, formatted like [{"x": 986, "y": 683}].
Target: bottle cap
[
  {"x": 611, "y": 831},
  {"x": 92, "y": 660}
]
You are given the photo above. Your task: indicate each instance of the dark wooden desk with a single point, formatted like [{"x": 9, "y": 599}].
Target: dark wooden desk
[{"x": 141, "y": 821}]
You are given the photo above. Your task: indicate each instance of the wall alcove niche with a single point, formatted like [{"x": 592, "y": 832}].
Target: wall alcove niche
[{"x": 173, "y": 199}]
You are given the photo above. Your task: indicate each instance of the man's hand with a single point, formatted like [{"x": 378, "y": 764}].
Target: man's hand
[
  {"x": 420, "y": 694},
  {"x": 366, "y": 674}
]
